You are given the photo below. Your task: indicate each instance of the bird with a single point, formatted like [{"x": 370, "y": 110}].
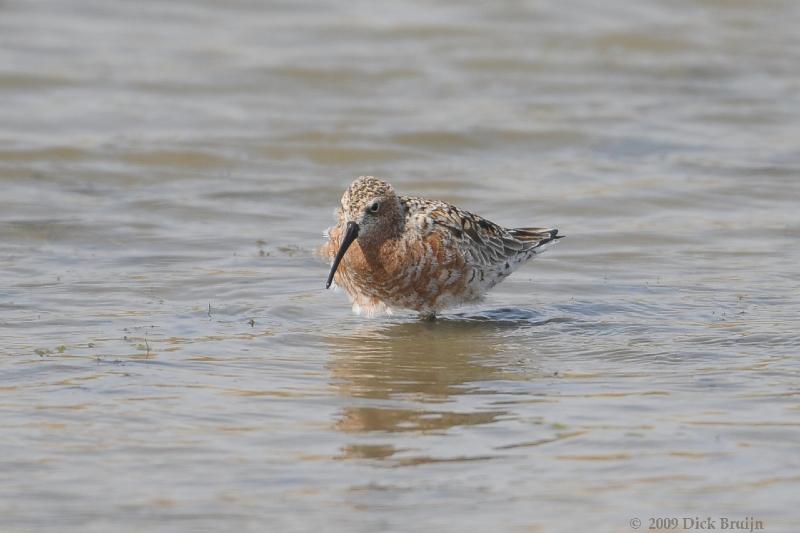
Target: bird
[{"x": 391, "y": 252}]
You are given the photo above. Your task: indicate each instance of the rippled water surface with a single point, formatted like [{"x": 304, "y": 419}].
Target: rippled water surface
[{"x": 170, "y": 360}]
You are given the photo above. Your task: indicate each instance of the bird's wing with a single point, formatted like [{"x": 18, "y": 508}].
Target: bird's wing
[{"x": 482, "y": 242}]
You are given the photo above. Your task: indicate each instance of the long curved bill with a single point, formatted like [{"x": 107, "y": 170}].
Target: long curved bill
[{"x": 350, "y": 234}]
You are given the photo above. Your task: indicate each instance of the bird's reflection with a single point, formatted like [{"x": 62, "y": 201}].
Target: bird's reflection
[{"x": 413, "y": 376}]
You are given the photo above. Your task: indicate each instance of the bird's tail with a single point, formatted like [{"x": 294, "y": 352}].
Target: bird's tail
[{"x": 536, "y": 240}]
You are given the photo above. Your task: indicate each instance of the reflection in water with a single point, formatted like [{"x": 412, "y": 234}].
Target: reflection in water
[
  {"x": 418, "y": 363},
  {"x": 388, "y": 419}
]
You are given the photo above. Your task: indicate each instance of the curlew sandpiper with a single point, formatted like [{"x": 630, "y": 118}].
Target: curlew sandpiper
[{"x": 401, "y": 252}]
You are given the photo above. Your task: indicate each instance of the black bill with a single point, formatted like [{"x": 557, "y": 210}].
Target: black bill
[{"x": 350, "y": 234}]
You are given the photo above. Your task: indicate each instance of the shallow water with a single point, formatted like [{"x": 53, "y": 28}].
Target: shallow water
[{"x": 170, "y": 361}]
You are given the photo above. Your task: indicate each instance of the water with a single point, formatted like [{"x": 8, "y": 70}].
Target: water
[{"x": 170, "y": 361}]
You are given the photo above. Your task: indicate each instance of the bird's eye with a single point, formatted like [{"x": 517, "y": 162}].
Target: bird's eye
[{"x": 374, "y": 207}]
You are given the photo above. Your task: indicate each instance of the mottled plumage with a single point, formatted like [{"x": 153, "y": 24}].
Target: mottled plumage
[{"x": 413, "y": 253}]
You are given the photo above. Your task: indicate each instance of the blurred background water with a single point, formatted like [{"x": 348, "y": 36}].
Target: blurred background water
[{"x": 170, "y": 360}]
